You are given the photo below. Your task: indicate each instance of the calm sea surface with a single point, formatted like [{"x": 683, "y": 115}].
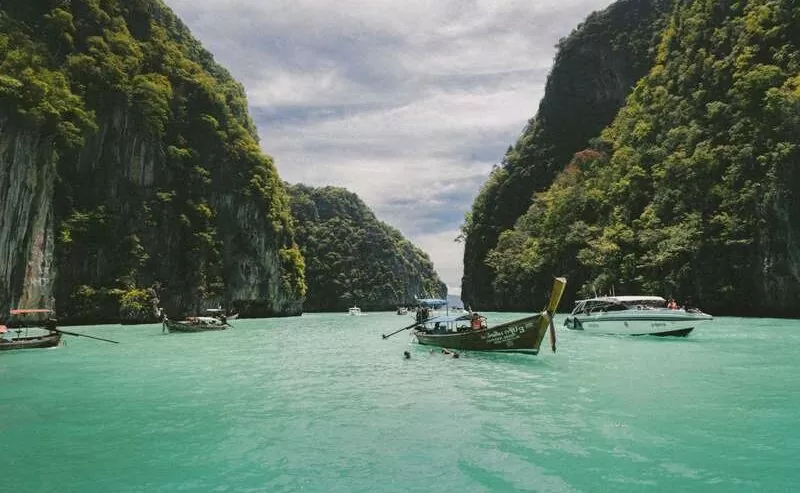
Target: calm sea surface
[{"x": 321, "y": 403}]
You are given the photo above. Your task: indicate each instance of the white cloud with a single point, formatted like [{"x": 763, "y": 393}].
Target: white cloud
[
  {"x": 408, "y": 104},
  {"x": 445, "y": 253}
]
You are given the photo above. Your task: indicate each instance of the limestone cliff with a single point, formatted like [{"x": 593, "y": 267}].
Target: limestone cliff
[
  {"x": 130, "y": 172},
  {"x": 27, "y": 176},
  {"x": 692, "y": 190},
  {"x": 595, "y": 68}
]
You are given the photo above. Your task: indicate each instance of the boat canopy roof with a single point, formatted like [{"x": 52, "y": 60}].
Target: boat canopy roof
[
  {"x": 21, "y": 311},
  {"x": 431, "y": 302},
  {"x": 625, "y": 299},
  {"x": 443, "y": 319}
]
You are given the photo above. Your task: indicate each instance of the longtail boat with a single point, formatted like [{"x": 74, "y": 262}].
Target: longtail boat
[
  {"x": 469, "y": 331},
  {"x": 31, "y": 342},
  {"x": 194, "y": 324},
  {"x": 46, "y": 322},
  {"x": 23, "y": 339},
  {"x": 219, "y": 313}
]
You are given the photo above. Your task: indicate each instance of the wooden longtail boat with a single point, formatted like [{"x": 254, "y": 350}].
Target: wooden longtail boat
[
  {"x": 31, "y": 342},
  {"x": 194, "y": 324},
  {"x": 22, "y": 320},
  {"x": 523, "y": 335},
  {"x": 46, "y": 321}
]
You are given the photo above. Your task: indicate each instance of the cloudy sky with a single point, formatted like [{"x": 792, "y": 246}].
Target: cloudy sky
[{"x": 408, "y": 103}]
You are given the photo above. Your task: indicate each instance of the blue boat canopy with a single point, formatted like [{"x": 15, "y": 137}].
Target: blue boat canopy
[
  {"x": 448, "y": 318},
  {"x": 431, "y": 302}
]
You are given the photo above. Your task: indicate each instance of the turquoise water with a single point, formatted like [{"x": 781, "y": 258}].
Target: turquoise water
[{"x": 321, "y": 403}]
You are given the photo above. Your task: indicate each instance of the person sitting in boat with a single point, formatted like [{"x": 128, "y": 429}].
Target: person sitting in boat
[
  {"x": 671, "y": 304},
  {"x": 5, "y": 334},
  {"x": 476, "y": 322}
]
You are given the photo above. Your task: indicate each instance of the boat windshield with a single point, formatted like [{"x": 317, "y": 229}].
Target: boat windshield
[
  {"x": 447, "y": 323},
  {"x": 618, "y": 304}
]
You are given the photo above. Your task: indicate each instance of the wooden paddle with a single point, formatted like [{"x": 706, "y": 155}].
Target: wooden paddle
[
  {"x": 80, "y": 335},
  {"x": 386, "y": 336}
]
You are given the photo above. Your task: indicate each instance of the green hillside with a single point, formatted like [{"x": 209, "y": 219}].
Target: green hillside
[
  {"x": 353, "y": 258},
  {"x": 134, "y": 170},
  {"x": 692, "y": 191},
  {"x": 593, "y": 72}
]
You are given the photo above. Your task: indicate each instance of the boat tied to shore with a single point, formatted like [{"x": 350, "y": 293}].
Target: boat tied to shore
[{"x": 469, "y": 331}]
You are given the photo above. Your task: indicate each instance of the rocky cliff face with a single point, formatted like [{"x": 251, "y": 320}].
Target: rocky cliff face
[
  {"x": 27, "y": 176},
  {"x": 595, "y": 68},
  {"x": 132, "y": 176},
  {"x": 691, "y": 191}
]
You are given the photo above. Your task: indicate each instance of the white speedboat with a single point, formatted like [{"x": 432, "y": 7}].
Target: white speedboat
[
  {"x": 633, "y": 315},
  {"x": 354, "y": 311}
]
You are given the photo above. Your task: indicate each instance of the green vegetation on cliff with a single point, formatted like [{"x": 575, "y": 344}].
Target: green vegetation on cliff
[
  {"x": 693, "y": 190},
  {"x": 594, "y": 70},
  {"x": 352, "y": 258},
  {"x": 160, "y": 178}
]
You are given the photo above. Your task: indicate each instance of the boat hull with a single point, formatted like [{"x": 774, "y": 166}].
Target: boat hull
[
  {"x": 677, "y": 323},
  {"x": 519, "y": 336},
  {"x": 45, "y": 341},
  {"x": 187, "y": 326}
]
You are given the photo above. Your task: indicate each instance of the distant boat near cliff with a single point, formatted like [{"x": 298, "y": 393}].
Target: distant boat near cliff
[
  {"x": 215, "y": 320},
  {"x": 219, "y": 313},
  {"x": 194, "y": 324}
]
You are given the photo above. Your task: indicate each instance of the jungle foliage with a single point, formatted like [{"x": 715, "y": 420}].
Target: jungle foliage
[
  {"x": 353, "y": 258},
  {"x": 693, "y": 190},
  {"x": 98, "y": 78},
  {"x": 593, "y": 72}
]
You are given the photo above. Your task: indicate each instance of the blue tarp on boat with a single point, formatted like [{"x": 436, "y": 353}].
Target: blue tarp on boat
[
  {"x": 448, "y": 318},
  {"x": 431, "y": 302}
]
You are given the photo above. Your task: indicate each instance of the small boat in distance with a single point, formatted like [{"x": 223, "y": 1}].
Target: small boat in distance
[
  {"x": 193, "y": 324},
  {"x": 354, "y": 311},
  {"x": 470, "y": 332},
  {"x": 401, "y": 310},
  {"x": 634, "y": 315},
  {"x": 219, "y": 313}
]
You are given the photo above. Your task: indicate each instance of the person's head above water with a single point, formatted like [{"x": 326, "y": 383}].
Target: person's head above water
[{"x": 406, "y": 355}]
